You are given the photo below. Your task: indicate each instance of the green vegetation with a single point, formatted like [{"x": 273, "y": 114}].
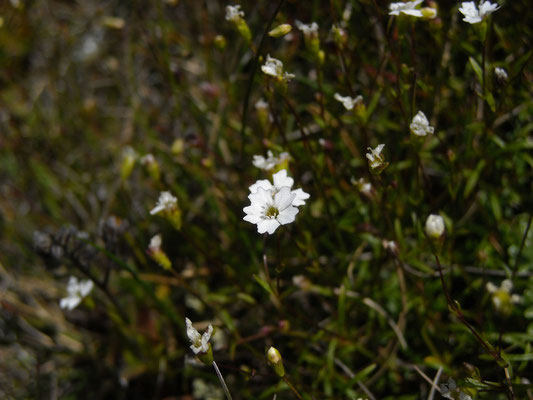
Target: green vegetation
[{"x": 104, "y": 105}]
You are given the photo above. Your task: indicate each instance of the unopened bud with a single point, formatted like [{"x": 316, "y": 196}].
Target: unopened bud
[
  {"x": 275, "y": 361},
  {"x": 128, "y": 162},
  {"x": 220, "y": 42},
  {"x": 435, "y": 226},
  {"x": 280, "y": 30},
  {"x": 428, "y": 12}
]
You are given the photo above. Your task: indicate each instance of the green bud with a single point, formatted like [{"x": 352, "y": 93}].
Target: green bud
[
  {"x": 280, "y": 30},
  {"x": 220, "y": 42},
  {"x": 275, "y": 361}
]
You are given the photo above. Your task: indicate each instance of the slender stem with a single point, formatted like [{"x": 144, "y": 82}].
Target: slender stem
[
  {"x": 508, "y": 378},
  {"x": 286, "y": 380},
  {"x": 459, "y": 314},
  {"x": 252, "y": 74},
  {"x": 515, "y": 268},
  {"x": 222, "y": 382}
]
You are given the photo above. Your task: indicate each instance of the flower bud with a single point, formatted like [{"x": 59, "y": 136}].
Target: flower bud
[
  {"x": 435, "y": 226},
  {"x": 220, "y": 42},
  {"x": 280, "y": 30},
  {"x": 275, "y": 361},
  {"x": 157, "y": 254},
  {"x": 128, "y": 162},
  {"x": 428, "y": 12}
]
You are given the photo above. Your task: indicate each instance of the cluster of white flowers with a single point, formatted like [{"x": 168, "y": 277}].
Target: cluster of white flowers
[
  {"x": 473, "y": 14},
  {"x": 406, "y": 8},
  {"x": 234, "y": 13},
  {"x": 307, "y": 29},
  {"x": 76, "y": 290},
  {"x": 420, "y": 125},
  {"x": 199, "y": 343},
  {"x": 274, "y": 68},
  {"x": 348, "y": 102},
  {"x": 501, "y": 74},
  {"x": 166, "y": 202},
  {"x": 271, "y": 161},
  {"x": 273, "y": 205}
]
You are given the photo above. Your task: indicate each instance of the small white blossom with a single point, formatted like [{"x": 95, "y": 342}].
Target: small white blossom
[
  {"x": 166, "y": 202},
  {"x": 199, "y": 343},
  {"x": 473, "y": 14},
  {"x": 502, "y": 297},
  {"x": 271, "y": 161},
  {"x": 364, "y": 187},
  {"x": 420, "y": 125},
  {"x": 155, "y": 243},
  {"x": 76, "y": 290},
  {"x": 308, "y": 29},
  {"x": 281, "y": 179},
  {"x": 435, "y": 226},
  {"x": 405, "y": 8},
  {"x": 375, "y": 157},
  {"x": 347, "y": 101},
  {"x": 234, "y": 13},
  {"x": 501, "y": 74},
  {"x": 274, "y": 68},
  {"x": 261, "y": 104},
  {"x": 450, "y": 391},
  {"x": 270, "y": 212},
  {"x": 147, "y": 159}
]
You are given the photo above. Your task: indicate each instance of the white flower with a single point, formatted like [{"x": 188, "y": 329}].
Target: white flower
[
  {"x": 199, "y": 343},
  {"x": 347, "y": 101},
  {"x": 234, "y": 13},
  {"x": 155, "y": 243},
  {"x": 502, "y": 297},
  {"x": 501, "y": 74},
  {"x": 435, "y": 226},
  {"x": 307, "y": 29},
  {"x": 147, "y": 159},
  {"x": 375, "y": 157},
  {"x": 281, "y": 180},
  {"x": 166, "y": 202},
  {"x": 76, "y": 290},
  {"x": 420, "y": 125},
  {"x": 261, "y": 104},
  {"x": 269, "y": 212},
  {"x": 364, "y": 187},
  {"x": 474, "y": 14},
  {"x": 406, "y": 8},
  {"x": 274, "y": 67},
  {"x": 271, "y": 161}
]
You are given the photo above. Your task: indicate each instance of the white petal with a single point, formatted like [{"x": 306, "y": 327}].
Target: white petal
[
  {"x": 192, "y": 333},
  {"x": 300, "y": 198},
  {"x": 253, "y": 218},
  {"x": 70, "y": 302},
  {"x": 86, "y": 287},
  {"x": 281, "y": 179},
  {"x": 283, "y": 198},
  {"x": 263, "y": 183},
  {"x": 414, "y": 13},
  {"x": 261, "y": 197},
  {"x": 268, "y": 225},
  {"x": 287, "y": 216}
]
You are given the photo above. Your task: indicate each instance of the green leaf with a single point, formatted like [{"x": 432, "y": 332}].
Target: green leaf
[
  {"x": 264, "y": 284},
  {"x": 477, "y": 69}
]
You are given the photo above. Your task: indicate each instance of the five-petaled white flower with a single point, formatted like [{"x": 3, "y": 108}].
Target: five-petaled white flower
[
  {"x": 308, "y": 29},
  {"x": 165, "y": 202},
  {"x": 405, "y": 8},
  {"x": 271, "y": 161},
  {"x": 502, "y": 297},
  {"x": 347, "y": 101},
  {"x": 76, "y": 290},
  {"x": 474, "y": 14},
  {"x": 273, "y": 205},
  {"x": 375, "y": 158},
  {"x": 234, "y": 13},
  {"x": 274, "y": 67},
  {"x": 199, "y": 343},
  {"x": 281, "y": 179},
  {"x": 420, "y": 125},
  {"x": 434, "y": 226}
]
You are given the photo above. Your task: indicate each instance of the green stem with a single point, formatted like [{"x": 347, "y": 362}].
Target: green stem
[{"x": 222, "y": 382}]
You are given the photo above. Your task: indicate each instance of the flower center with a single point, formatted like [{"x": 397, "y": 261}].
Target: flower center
[{"x": 272, "y": 212}]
